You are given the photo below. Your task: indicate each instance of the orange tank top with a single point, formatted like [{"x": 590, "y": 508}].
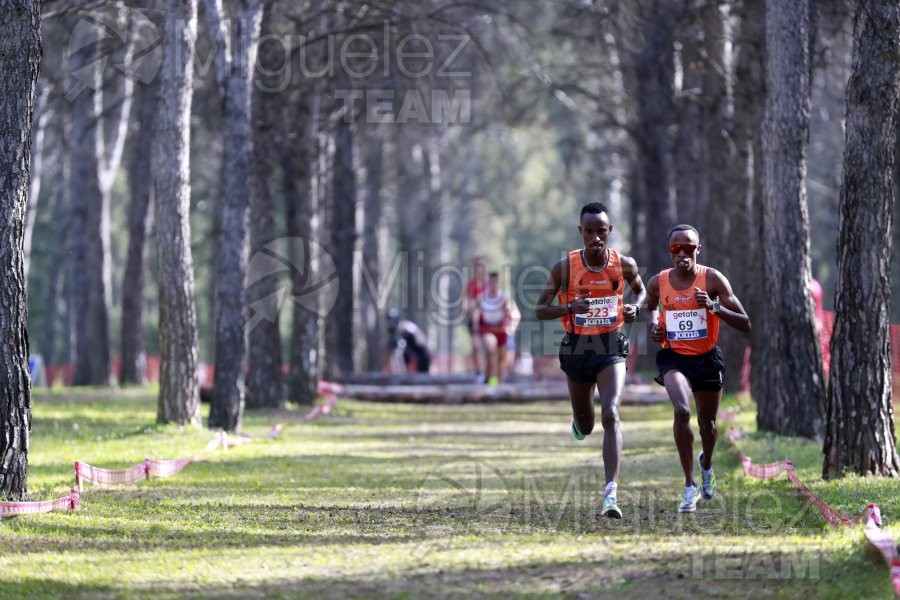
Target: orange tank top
[
  {"x": 605, "y": 291},
  {"x": 690, "y": 328}
]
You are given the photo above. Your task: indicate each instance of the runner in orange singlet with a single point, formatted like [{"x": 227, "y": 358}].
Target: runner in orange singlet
[
  {"x": 694, "y": 299},
  {"x": 590, "y": 283}
]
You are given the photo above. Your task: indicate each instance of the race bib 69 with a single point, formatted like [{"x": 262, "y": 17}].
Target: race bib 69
[{"x": 686, "y": 324}]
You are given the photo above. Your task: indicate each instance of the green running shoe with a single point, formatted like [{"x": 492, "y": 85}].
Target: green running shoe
[
  {"x": 575, "y": 433},
  {"x": 611, "y": 508},
  {"x": 707, "y": 480}
]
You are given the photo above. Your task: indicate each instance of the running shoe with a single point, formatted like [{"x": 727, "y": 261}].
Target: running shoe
[
  {"x": 575, "y": 433},
  {"x": 611, "y": 508},
  {"x": 691, "y": 496},
  {"x": 707, "y": 480}
]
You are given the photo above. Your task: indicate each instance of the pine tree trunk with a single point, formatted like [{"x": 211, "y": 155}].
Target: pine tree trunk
[
  {"x": 860, "y": 436},
  {"x": 51, "y": 300},
  {"x": 90, "y": 351},
  {"x": 339, "y": 322},
  {"x": 179, "y": 397},
  {"x": 793, "y": 392},
  {"x": 373, "y": 324},
  {"x": 231, "y": 258},
  {"x": 655, "y": 110},
  {"x": 744, "y": 184},
  {"x": 38, "y": 135},
  {"x": 264, "y": 377},
  {"x": 297, "y": 169},
  {"x": 749, "y": 99},
  {"x": 20, "y": 47},
  {"x": 133, "y": 354}
]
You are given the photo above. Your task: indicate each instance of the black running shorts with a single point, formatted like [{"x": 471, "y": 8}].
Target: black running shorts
[
  {"x": 581, "y": 357},
  {"x": 705, "y": 372}
]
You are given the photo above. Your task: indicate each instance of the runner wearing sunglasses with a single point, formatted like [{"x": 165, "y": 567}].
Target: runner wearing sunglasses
[
  {"x": 590, "y": 283},
  {"x": 694, "y": 299}
]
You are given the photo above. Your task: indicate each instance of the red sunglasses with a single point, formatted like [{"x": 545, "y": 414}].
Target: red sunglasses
[{"x": 688, "y": 248}]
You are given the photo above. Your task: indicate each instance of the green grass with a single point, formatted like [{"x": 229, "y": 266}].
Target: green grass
[{"x": 405, "y": 501}]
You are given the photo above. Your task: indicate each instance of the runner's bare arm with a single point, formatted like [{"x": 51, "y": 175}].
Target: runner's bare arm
[
  {"x": 630, "y": 271},
  {"x": 558, "y": 280},
  {"x": 657, "y": 333},
  {"x": 730, "y": 308}
]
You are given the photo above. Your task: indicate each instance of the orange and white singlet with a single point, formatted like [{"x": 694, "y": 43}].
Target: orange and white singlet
[
  {"x": 690, "y": 328},
  {"x": 605, "y": 290}
]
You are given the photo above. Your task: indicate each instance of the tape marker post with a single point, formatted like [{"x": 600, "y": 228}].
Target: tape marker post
[{"x": 880, "y": 539}]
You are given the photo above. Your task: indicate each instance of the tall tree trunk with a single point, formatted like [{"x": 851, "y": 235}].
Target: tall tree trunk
[
  {"x": 339, "y": 322},
  {"x": 20, "y": 47},
  {"x": 746, "y": 181},
  {"x": 133, "y": 354},
  {"x": 60, "y": 210},
  {"x": 722, "y": 218},
  {"x": 264, "y": 292},
  {"x": 101, "y": 109},
  {"x": 231, "y": 258},
  {"x": 410, "y": 208},
  {"x": 692, "y": 168},
  {"x": 860, "y": 434},
  {"x": 297, "y": 170},
  {"x": 371, "y": 310},
  {"x": 793, "y": 392},
  {"x": 655, "y": 108},
  {"x": 38, "y": 134},
  {"x": 90, "y": 348},
  {"x": 179, "y": 397}
]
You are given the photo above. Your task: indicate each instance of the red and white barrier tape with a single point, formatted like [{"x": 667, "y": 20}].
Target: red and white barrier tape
[
  {"x": 167, "y": 468},
  {"x": 880, "y": 539},
  {"x": 156, "y": 468},
  {"x": 326, "y": 389},
  {"x": 13, "y": 509}
]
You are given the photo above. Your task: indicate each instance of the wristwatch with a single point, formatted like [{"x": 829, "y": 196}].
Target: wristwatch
[{"x": 714, "y": 309}]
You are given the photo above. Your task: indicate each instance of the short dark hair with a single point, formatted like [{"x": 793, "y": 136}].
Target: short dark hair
[
  {"x": 494, "y": 274},
  {"x": 594, "y": 208},
  {"x": 683, "y": 227}
]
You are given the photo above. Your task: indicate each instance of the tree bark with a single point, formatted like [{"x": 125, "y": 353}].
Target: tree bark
[
  {"x": 231, "y": 258},
  {"x": 38, "y": 135},
  {"x": 747, "y": 177},
  {"x": 655, "y": 110},
  {"x": 370, "y": 281},
  {"x": 101, "y": 110},
  {"x": 745, "y": 181},
  {"x": 860, "y": 435},
  {"x": 297, "y": 170},
  {"x": 339, "y": 322},
  {"x": 90, "y": 348},
  {"x": 264, "y": 292},
  {"x": 793, "y": 390},
  {"x": 179, "y": 398},
  {"x": 20, "y": 47},
  {"x": 133, "y": 354}
]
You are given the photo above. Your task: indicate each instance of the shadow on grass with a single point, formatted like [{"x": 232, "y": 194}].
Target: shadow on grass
[{"x": 785, "y": 574}]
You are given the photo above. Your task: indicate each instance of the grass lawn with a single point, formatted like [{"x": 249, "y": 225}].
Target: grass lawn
[{"x": 398, "y": 501}]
